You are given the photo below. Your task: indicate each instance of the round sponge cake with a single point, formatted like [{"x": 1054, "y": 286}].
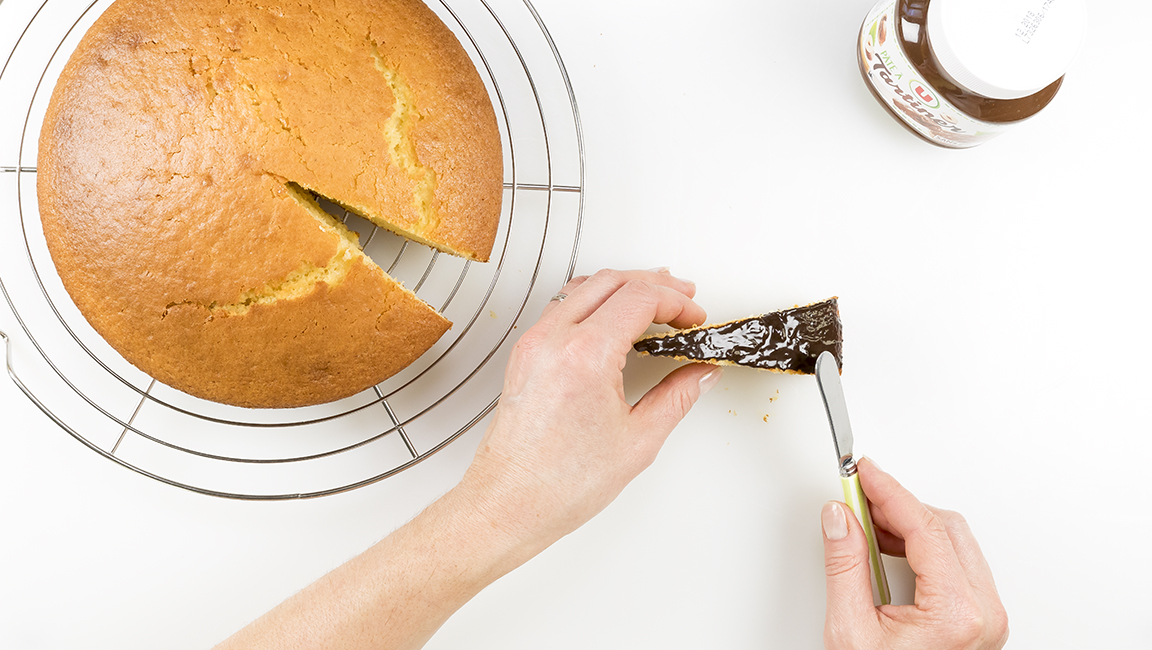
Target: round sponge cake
[{"x": 180, "y": 160}]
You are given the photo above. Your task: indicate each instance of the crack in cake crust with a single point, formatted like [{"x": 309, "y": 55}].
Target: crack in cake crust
[{"x": 398, "y": 130}]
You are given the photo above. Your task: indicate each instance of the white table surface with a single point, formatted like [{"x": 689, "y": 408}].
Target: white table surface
[{"x": 995, "y": 316}]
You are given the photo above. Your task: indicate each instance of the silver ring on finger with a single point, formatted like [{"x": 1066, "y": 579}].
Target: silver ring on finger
[{"x": 559, "y": 297}]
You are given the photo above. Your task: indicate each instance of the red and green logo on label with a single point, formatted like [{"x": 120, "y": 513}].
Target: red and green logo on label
[{"x": 924, "y": 93}]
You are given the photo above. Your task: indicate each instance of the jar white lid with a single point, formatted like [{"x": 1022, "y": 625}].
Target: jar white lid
[{"x": 1006, "y": 49}]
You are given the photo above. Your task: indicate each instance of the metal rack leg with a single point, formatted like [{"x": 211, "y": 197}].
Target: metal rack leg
[
  {"x": 143, "y": 398},
  {"x": 396, "y": 423}
]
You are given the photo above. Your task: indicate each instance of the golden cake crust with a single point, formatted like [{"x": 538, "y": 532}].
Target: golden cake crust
[{"x": 173, "y": 165}]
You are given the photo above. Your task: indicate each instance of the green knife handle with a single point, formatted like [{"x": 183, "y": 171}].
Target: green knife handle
[{"x": 854, "y": 497}]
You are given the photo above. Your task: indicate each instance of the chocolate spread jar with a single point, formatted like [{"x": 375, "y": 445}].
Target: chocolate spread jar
[{"x": 960, "y": 72}]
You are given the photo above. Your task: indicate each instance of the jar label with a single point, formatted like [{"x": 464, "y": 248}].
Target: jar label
[{"x": 898, "y": 84}]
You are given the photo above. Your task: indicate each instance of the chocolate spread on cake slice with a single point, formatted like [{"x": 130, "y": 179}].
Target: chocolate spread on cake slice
[{"x": 783, "y": 341}]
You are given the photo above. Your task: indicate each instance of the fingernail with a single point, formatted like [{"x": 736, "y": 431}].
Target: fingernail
[
  {"x": 872, "y": 462},
  {"x": 708, "y": 381},
  {"x": 665, "y": 271},
  {"x": 832, "y": 518}
]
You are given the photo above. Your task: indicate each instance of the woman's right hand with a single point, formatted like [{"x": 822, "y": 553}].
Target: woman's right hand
[{"x": 956, "y": 603}]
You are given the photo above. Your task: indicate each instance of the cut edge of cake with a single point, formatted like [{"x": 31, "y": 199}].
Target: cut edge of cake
[
  {"x": 349, "y": 247},
  {"x": 303, "y": 281}
]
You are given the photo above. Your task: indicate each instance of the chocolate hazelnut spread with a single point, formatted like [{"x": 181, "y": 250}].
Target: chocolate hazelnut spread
[
  {"x": 783, "y": 341},
  {"x": 959, "y": 72}
]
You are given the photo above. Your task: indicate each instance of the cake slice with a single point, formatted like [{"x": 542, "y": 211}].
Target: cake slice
[{"x": 786, "y": 341}]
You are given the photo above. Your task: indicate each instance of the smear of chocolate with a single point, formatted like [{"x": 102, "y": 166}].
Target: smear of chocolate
[{"x": 785, "y": 341}]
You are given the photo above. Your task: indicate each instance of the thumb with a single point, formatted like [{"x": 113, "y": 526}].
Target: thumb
[
  {"x": 662, "y": 407},
  {"x": 850, "y": 608}
]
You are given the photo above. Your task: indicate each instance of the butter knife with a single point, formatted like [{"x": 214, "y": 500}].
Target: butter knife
[{"x": 828, "y": 379}]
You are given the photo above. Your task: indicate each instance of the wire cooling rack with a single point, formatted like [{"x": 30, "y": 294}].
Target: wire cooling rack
[{"x": 57, "y": 360}]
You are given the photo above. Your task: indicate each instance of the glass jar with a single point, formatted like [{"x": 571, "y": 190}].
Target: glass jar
[{"x": 960, "y": 72}]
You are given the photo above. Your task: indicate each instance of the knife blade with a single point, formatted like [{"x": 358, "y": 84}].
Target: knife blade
[
  {"x": 828, "y": 378},
  {"x": 832, "y": 392}
]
